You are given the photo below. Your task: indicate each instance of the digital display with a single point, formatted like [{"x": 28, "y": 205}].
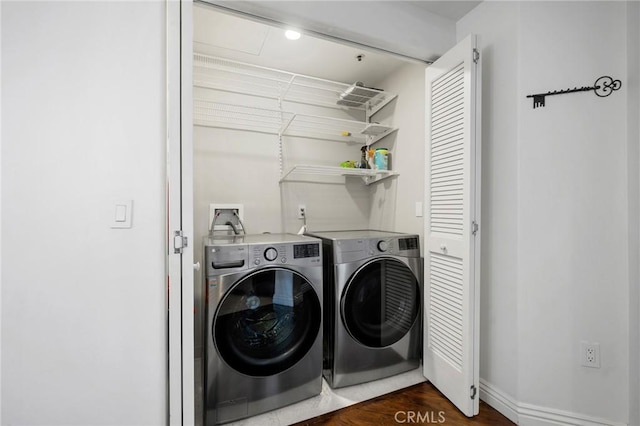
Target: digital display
[
  {"x": 408, "y": 243},
  {"x": 306, "y": 250}
]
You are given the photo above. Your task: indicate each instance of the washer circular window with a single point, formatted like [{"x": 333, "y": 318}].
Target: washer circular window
[
  {"x": 267, "y": 322},
  {"x": 380, "y": 303}
]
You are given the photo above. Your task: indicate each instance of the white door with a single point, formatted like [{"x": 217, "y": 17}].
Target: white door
[{"x": 452, "y": 239}]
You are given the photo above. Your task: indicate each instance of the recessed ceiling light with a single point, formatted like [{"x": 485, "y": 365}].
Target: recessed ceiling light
[{"x": 292, "y": 34}]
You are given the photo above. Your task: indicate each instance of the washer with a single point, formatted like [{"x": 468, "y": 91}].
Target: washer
[
  {"x": 372, "y": 305},
  {"x": 264, "y": 324}
]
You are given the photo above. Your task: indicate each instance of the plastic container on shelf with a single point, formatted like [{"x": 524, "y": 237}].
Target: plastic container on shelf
[{"x": 381, "y": 159}]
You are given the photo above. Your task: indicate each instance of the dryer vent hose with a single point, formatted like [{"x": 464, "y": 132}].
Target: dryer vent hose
[{"x": 230, "y": 223}]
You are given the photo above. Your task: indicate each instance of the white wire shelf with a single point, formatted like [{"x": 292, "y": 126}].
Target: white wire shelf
[
  {"x": 369, "y": 176},
  {"x": 285, "y": 123},
  {"x": 237, "y": 77}
]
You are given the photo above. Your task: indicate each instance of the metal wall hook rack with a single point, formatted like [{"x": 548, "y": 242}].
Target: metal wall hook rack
[{"x": 603, "y": 87}]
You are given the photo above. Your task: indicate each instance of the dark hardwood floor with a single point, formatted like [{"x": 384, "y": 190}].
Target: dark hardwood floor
[{"x": 418, "y": 404}]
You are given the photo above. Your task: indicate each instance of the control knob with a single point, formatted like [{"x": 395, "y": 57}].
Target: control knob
[
  {"x": 383, "y": 245},
  {"x": 271, "y": 254}
]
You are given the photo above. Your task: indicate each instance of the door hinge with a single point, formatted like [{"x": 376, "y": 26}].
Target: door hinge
[
  {"x": 179, "y": 242},
  {"x": 473, "y": 391},
  {"x": 474, "y": 227},
  {"x": 476, "y": 55}
]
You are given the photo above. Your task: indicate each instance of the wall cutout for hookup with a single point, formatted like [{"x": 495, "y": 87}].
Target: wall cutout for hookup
[{"x": 603, "y": 87}]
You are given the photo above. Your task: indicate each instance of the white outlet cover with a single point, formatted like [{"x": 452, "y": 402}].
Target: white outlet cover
[{"x": 589, "y": 354}]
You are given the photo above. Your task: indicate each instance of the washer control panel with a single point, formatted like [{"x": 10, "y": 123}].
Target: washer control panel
[
  {"x": 299, "y": 254},
  {"x": 223, "y": 259},
  {"x": 271, "y": 254}
]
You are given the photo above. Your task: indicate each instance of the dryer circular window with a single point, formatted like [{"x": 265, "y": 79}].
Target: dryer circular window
[
  {"x": 267, "y": 322},
  {"x": 380, "y": 302}
]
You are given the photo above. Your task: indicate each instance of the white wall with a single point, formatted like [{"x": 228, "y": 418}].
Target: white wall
[
  {"x": 83, "y": 305},
  {"x": 572, "y": 210},
  {"x": 633, "y": 158},
  {"x": 393, "y": 201},
  {"x": 1, "y": 273},
  {"x": 558, "y": 185},
  {"x": 242, "y": 166}
]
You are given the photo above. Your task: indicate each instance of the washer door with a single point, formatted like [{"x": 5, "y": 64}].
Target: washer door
[
  {"x": 380, "y": 302},
  {"x": 267, "y": 322}
]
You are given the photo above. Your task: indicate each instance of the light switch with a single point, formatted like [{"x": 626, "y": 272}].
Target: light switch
[
  {"x": 122, "y": 212},
  {"x": 419, "y": 209}
]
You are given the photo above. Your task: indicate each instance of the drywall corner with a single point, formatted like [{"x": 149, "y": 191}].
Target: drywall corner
[{"x": 633, "y": 164}]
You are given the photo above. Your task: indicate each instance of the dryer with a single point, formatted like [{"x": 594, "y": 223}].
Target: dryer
[
  {"x": 263, "y": 333},
  {"x": 372, "y": 305}
]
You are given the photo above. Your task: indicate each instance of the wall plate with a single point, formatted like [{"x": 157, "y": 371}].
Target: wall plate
[{"x": 121, "y": 214}]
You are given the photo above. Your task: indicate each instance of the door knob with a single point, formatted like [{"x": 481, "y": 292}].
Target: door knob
[
  {"x": 196, "y": 266},
  {"x": 443, "y": 247}
]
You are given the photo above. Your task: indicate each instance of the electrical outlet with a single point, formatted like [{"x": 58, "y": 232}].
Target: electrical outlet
[
  {"x": 226, "y": 215},
  {"x": 590, "y": 354},
  {"x": 302, "y": 211}
]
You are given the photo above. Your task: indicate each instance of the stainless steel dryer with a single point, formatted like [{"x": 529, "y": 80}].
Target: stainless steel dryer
[
  {"x": 372, "y": 305},
  {"x": 263, "y": 333}
]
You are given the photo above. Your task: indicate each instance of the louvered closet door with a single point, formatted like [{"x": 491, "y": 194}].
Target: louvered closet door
[{"x": 451, "y": 247}]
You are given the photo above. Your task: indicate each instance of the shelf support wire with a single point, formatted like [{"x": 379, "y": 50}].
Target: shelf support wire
[
  {"x": 286, "y": 89},
  {"x": 286, "y": 125}
]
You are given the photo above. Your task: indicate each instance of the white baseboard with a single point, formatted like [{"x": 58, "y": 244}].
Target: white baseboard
[
  {"x": 531, "y": 415},
  {"x": 503, "y": 403}
]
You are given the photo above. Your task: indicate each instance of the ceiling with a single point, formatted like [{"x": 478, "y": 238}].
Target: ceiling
[
  {"x": 230, "y": 36},
  {"x": 221, "y": 34},
  {"x": 452, "y": 9}
]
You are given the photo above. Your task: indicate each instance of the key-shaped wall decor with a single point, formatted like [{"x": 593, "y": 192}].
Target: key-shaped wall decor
[{"x": 603, "y": 87}]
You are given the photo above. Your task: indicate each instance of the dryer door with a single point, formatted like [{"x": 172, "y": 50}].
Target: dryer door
[
  {"x": 380, "y": 302},
  {"x": 267, "y": 322}
]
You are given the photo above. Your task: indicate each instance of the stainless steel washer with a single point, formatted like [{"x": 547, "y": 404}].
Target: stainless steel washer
[
  {"x": 264, "y": 324},
  {"x": 372, "y": 305}
]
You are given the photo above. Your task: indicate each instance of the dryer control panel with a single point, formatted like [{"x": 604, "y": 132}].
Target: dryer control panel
[
  {"x": 408, "y": 246},
  {"x": 351, "y": 250}
]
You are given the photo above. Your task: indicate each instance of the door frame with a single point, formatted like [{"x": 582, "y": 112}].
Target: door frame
[
  {"x": 180, "y": 268},
  {"x": 179, "y": 205}
]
